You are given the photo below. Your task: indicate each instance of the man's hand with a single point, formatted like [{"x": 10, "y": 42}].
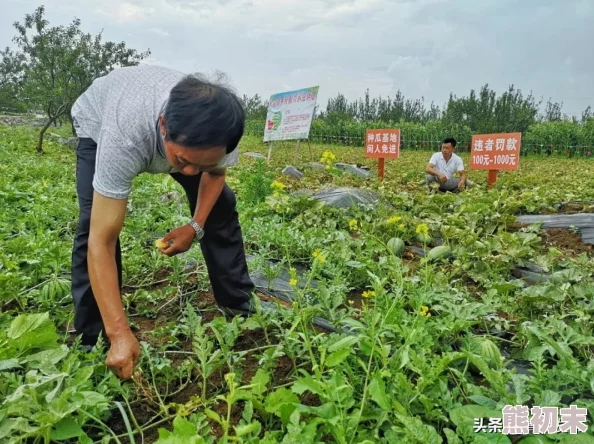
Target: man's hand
[
  {"x": 431, "y": 170},
  {"x": 461, "y": 184},
  {"x": 123, "y": 354},
  {"x": 178, "y": 240}
]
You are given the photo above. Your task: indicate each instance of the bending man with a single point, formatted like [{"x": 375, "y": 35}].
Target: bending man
[{"x": 149, "y": 119}]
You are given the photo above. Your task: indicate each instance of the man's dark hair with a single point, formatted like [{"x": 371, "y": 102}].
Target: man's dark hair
[
  {"x": 201, "y": 113},
  {"x": 450, "y": 140}
]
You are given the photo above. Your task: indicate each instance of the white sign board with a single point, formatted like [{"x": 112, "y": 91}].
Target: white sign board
[{"x": 290, "y": 114}]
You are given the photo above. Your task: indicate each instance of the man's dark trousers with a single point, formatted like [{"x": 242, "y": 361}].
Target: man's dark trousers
[{"x": 222, "y": 247}]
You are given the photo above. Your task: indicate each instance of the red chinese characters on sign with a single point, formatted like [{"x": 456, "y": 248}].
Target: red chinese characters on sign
[
  {"x": 382, "y": 143},
  {"x": 495, "y": 151}
]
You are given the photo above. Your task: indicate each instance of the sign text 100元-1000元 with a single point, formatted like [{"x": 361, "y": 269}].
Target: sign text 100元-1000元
[{"x": 499, "y": 159}]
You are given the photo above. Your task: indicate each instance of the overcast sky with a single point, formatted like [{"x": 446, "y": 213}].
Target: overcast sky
[{"x": 422, "y": 47}]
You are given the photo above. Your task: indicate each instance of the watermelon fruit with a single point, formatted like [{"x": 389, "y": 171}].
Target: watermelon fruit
[
  {"x": 424, "y": 238},
  {"x": 396, "y": 245},
  {"x": 440, "y": 252}
]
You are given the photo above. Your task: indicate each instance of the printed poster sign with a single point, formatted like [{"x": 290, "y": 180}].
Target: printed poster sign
[
  {"x": 382, "y": 143},
  {"x": 495, "y": 151},
  {"x": 290, "y": 114}
]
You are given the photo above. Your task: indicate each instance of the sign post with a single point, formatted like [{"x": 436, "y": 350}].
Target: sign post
[
  {"x": 290, "y": 115},
  {"x": 382, "y": 144},
  {"x": 495, "y": 152},
  {"x": 380, "y": 168},
  {"x": 492, "y": 178}
]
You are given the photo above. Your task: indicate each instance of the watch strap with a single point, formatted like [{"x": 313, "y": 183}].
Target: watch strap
[{"x": 197, "y": 228}]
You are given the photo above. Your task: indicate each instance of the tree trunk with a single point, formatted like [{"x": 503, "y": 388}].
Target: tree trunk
[
  {"x": 59, "y": 113},
  {"x": 72, "y": 125},
  {"x": 41, "y": 134}
]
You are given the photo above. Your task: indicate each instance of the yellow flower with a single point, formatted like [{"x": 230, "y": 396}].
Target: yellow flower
[
  {"x": 278, "y": 185},
  {"x": 276, "y": 195},
  {"x": 351, "y": 302},
  {"x": 422, "y": 229},
  {"x": 318, "y": 255},
  {"x": 293, "y": 282},
  {"x": 368, "y": 294},
  {"x": 328, "y": 157},
  {"x": 353, "y": 224},
  {"x": 425, "y": 311},
  {"x": 401, "y": 227},
  {"x": 393, "y": 220}
]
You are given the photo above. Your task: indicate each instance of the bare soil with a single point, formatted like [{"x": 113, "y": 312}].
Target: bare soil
[
  {"x": 573, "y": 208},
  {"x": 145, "y": 407},
  {"x": 560, "y": 238},
  {"x": 516, "y": 226},
  {"x": 565, "y": 240}
]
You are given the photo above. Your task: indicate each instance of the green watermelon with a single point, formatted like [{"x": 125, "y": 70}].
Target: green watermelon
[
  {"x": 424, "y": 238},
  {"x": 440, "y": 252},
  {"x": 396, "y": 245}
]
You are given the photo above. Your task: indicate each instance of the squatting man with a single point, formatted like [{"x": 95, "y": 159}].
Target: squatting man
[
  {"x": 443, "y": 166},
  {"x": 150, "y": 119}
]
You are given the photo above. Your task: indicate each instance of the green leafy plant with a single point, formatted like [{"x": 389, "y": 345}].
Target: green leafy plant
[{"x": 419, "y": 345}]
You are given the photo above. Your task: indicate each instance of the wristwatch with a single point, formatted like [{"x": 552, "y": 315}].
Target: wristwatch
[{"x": 197, "y": 228}]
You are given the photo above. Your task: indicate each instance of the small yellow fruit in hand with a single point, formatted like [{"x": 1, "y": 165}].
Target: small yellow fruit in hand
[{"x": 160, "y": 243}]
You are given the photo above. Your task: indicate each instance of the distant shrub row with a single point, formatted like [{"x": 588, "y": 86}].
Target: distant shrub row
[{"x": 563, "y": 137}]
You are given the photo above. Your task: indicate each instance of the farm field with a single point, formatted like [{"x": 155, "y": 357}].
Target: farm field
[{"x": 423, "y": 343}]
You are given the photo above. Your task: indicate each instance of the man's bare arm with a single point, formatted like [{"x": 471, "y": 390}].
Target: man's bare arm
[
  {"x": 209, "y": 190},
  {"x": 431, "y": 170},
  {"x": 462, "y": 178},
  {"x": 107, "y": 219}
]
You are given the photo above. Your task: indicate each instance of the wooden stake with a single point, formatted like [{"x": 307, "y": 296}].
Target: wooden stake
[
  {"x": 492, "y": 178},
  {"x": 297, "y": 151},
  {"x": 380, "y": 168}
]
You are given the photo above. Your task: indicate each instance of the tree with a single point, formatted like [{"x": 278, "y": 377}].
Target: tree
[
  {"x": 587, "y": 114},
  {"x": 552, "y": 112},
  {"x": 513, "y": 112},
  {"x": 10, "y": 81},
  {"x": 254, "y": 107},
  {"x": 59, "y": 63},
  {"x": 397, "y": 109},
  {"x": 486, "y": 113}
]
